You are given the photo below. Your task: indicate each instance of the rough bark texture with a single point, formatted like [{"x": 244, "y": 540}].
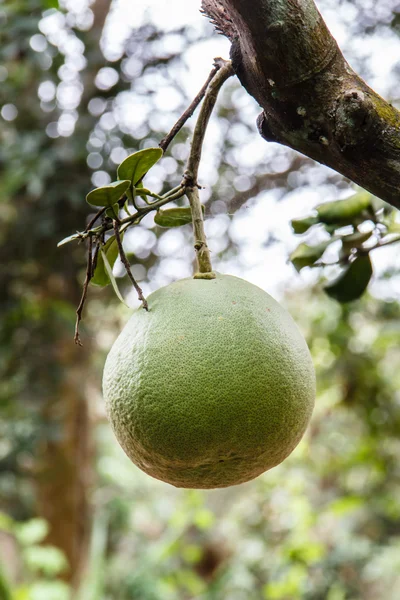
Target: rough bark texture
[{"x": 312, "y": 101}]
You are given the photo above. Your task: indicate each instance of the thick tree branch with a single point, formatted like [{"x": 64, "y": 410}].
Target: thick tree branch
[{"x": 312, "y": 101}]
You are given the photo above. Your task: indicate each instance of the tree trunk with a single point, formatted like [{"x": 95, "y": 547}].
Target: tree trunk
[
  {"x": 312, "y": 101},
  {"x": 65, "y": 470}
]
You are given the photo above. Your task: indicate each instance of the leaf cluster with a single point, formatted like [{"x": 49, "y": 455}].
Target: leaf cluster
[{"x": 360, "y": 224}]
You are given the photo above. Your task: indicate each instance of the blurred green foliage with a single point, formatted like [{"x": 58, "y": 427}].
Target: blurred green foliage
[{"x": 324, "y": 525}]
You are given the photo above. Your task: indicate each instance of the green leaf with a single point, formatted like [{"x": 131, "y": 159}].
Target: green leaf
[
  {"x": 141, "y": 191},
  {"x": 344, "y": 211},
  {"x": 305, "y": 255},
  {"x": 112, "y": 212},
  {"x": 48, "y": 589},
  {"x": 5, "y": 586},
  {"x": 7, "y": 524},
  {"x": 352, "y": 282},
  {"x": 345, "y": 505},
  {"x": 70, "y": 238},
  {"x": 303, "y": 225},
  {"x": 355, "y": 240},
  {"x": 107, "y": 195},
  {"x": 391, "y": 222},
  {"x": 45, "y": 559},
  {"x": 203, "y": 518},
  {"x": 138, "y": 191},
  {"x": 332, "y": 228},
  {"x": 110, "y": 249},
  {"x": 174, "y": 217},
  {"x": 32, "y": 531},
  {"x": 110, "y": 274},
  {"x": 135, "y": 166}
]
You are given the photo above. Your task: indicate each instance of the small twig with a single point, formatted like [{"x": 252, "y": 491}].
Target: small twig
[
  {"x": 165, "y": 142},
  {"x": 380, "y": 244},
  {"x": 127, "y": 266},
  {"x": 225, "y": 71},
  {"x": 96, "y": 216},
  {"x": 173, "y": 191},
  {"x": 95, "y": 258},
  {"x": 388, "y": 242},
  {"x": 142, "y": 212},
  {"x": 89, "y": 273}
]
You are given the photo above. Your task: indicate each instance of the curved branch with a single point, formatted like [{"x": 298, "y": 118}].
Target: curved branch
[{"x": 312, "y": 101}]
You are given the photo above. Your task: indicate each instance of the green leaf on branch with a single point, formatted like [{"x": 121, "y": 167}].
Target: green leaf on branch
[
  {"x": 112, "y": 212},
  {"x": 352, "y": 282},
  {"x": 108, "y": 195},
  {"x": 305, "y": 255},
  {"x": 174, "y": 217},
  {"x": 110, "y": 274},
  {"x": 345, "y": 211},
  {"x": 141, "y": 191},
  {"x": 303, "y": 225},
  {"x": 135, "y": 166},
  {"x": 70, "y": 238},
  {"x": 355, "y": 240},
  {"x": 393, "y": 226},
  {"x": 110, "y": 250}
]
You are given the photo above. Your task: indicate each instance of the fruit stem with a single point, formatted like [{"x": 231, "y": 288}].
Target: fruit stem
[
  {"x": 189, "y": 182},
  {"x": 225, "y": 71},
  {"x": 200, "y": 242}
]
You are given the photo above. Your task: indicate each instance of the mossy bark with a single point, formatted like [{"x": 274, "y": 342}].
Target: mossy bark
[{"x": 312, "y": 101}]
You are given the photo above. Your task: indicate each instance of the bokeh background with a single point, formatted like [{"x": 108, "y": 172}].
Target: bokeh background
[{"x": 82, "y": 85}]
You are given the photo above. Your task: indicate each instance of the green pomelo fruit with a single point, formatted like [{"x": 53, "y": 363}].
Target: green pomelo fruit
[{"x": 211, "y": 387}]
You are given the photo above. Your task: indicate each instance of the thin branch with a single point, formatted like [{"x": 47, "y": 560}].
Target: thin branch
[
  {"x": 381, "y": 244},
  {"x": 89, "y": 273},
  {"x": 173, "y": 191},
  {"x": 388, "y": 242},
  {"x": 165, "y": 142},
  {"x": 142, "y": 212},
  {"x": 96, "y": 216},
  {"x": 127, "y": 266},
  {"x": 192, "y": 167},
  {"x": 266, "y": 181}
]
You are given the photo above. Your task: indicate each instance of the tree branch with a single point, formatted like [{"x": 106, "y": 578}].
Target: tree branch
[
  {"x": 165, "y": 142},
  {"x": 264, "y": 182},
  {"x": 127, "y": 266},
  {"x": 89, "y": 274},
  {"x": 192, "y": 167},
  {"x": 312, "y": 101},
  {"x": 225, "y": 71}
]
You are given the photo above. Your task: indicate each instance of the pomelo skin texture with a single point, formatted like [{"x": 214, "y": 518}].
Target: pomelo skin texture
[{"x": 211, "y": 387}]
